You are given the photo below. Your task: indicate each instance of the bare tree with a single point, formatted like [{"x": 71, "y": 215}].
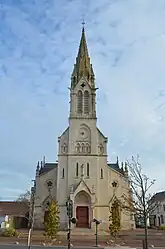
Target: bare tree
[
  {"x": 24, "y": 197},
  {"x": 138, "y": 199}
]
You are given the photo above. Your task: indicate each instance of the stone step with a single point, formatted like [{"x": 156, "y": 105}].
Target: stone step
[{"x": 86, "y": 231}]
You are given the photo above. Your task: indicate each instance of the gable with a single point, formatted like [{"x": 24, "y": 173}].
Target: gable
[
  {"x": 65, "y": 133},
  {"x": 81, "y": 186},
  {"x": 113, "y": 199},
  {"x": 46, "y": 202},
  {"x": 80, "y": 85},
  {"x": 101, "y": 134}
]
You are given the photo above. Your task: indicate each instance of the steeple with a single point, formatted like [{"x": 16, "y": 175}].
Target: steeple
[{"x": 82, "y": 68}]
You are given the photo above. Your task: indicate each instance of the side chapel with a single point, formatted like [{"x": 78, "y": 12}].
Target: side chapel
[{"x": 82, "y": 171}]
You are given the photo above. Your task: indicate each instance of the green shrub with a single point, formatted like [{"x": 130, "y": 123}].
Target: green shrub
[
  {"x": 52, "y": 221},
  {"x": 9, "y": 232},
  {"x": 162, "y": 227},
  {"x": 114, "y": 218}
]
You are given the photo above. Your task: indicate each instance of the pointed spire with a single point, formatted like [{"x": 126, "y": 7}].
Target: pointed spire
[
  {"x": 82, "y": 68},
  {"x": 122, "y": 166},
  {"x": 38, "y": 169},
  {"x": 117, "y": 161},
  {"x": 126, "y": 169},
  {"x": 43, "y": 161},
  {"x": 83, "y": 50}
]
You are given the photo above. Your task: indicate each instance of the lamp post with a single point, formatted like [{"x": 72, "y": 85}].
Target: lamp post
[
  {"x": 97, "y": 223},
  {"x": 69, "y": 205},
  {"x": 71, "y": 219},
  {"x": 32, "y": 215}
]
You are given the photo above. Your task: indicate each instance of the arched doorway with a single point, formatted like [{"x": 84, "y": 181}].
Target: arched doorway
[
  {"x": 83, "y": 209},
  {"x": 46, "y": 215}
]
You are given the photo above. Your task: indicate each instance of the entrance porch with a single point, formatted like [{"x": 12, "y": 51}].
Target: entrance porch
[{"x": 82, "y": 210}]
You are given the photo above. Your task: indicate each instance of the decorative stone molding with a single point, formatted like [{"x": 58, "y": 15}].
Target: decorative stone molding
[
  {"x": 101, "y": 149},
  {"x": 49, "y": 184},
  {"x": 46, "y": 203},
  {"x": 83, "y": 148},
  {"x": 115, "y": 184},
  {"x": 64, "y": 148}
]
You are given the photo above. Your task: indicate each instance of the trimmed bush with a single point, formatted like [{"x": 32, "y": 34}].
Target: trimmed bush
[
  {"x": 9, "y": 232},
  {"x": 162, "y": 227}
]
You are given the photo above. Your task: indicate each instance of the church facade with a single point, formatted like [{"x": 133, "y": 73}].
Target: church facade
[{"x": 82, "y": 172}]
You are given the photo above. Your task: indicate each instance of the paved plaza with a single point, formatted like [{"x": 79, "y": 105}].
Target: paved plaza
[{"x": 86, "y": 239}]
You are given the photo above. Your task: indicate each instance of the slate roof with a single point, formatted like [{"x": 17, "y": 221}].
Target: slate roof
[
  {"x": 48, "y": 167},
  {"x": 13, "y": 208},
  {"x": 115, "y": 166},
  {"x": 160, "y": 196}
]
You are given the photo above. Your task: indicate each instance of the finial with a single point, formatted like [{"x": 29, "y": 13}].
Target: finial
[
  {"x": 38, "y": 165},
  {"x": 38, "y": 168},
  {"x": 43, "y": 160},
  {"x": 117, "y": 161},
  {"x": 122, "y": 166},
  {"x": 126, "y": 169}
]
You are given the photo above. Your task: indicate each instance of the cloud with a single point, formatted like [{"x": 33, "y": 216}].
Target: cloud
[{"x": 38, "y": 46}]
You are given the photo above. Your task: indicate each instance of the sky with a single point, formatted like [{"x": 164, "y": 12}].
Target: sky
[{"x": 38, "y": 45}]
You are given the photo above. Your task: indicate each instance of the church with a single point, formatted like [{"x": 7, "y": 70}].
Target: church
[{"x": 82, "y": 172}]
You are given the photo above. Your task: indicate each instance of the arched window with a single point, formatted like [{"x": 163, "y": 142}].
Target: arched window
[
  {"x": 83, "y": 148},
  {"x": 101, "y": 149},
  {"x": 76, "y": 169},
  {"x": 86, "y": 102},
  {"x": 46, "y": 213},
  {"x": 79, "y": 102},
  {"x": 78, "y": 148},
  {"x": 64, "y": 148},
  {"x": 63, "y": 173},
  {"x": 101, "y": 173},
  {"x": 87, "y": 148},
  {"x": 87, "y": 169},
  {"x": 162, "y": 219}
]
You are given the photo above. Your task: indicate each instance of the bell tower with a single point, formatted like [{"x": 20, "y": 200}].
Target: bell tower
[
  {"x": 82, "y": 147},
  {"x": 82, "y": 90}
]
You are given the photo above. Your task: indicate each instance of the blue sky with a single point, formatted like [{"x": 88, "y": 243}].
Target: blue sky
[{"x": 38, "y": 45}]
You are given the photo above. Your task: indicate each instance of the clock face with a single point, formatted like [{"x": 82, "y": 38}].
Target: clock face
[{"x": 83, "y": 133}]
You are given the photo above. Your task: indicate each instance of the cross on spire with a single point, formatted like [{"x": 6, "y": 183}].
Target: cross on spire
[
  {"x": 83, "y": 23},
  {"x": 83, "y": 67}
]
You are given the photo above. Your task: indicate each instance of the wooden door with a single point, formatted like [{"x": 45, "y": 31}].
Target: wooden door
[{"x": 82, "y": 215}]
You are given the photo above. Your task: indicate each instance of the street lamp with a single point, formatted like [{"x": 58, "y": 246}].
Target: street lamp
[
  {"x": 69, "y": 205},
  {"x": 32, "y": 215},
  {"x": 97, "y": 223}
]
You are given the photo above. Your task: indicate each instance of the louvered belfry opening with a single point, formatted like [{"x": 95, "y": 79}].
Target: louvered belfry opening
[
  {"x": 86, "y": 102},
  {"x": 80, "y": 102}
]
